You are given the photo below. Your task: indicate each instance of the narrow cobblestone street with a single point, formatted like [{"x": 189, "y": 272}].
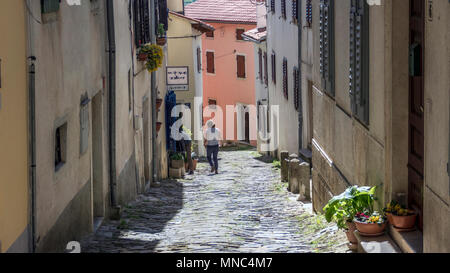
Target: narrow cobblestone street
[{"x": 243, "y": 209}]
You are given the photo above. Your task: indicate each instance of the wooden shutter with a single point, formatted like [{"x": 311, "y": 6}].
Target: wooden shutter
[
  {"x": 210, "y": 62},
  {"x": 210, "y": 34},
  {"x": 239, "y": 33},
  {"x": 308, "y": 13},
  {"x": 283, "y": 8},
  {"x": 295, "y": 10},
  {"x": 327, "y": 45},
  {"x": 272, "y": 6},
  {"x": 260, "y": 73},
  {"x": 240, "y": 66},
  {"x": 163, "y": 14},
  {"x": 359, "y": 60},
  {"x": 296, "y": 78},
  {"x": 141, "y": 13},
  {"x": 285, "y": 79},
  {"x": 274, "y": 68},
  {"x": 49, "y": 6},
  {"x": 146, "y": 21},
  {"x": 266, "y": 75},
  {"x": 199, "y": 59}
]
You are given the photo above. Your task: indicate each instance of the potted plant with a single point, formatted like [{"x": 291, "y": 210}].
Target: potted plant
[
  {"x": 154, "y": 58},
  {"x": 194, "y": 161},
  {"x": 158, "y": 103},
  {"x": 177, "y": 161},
  {"x": 343, "y": 208},
  {"x": 161, "y": 39},
  {"x": 370, "y": 224},
  {"x": 158, "y": 126},
  {"x": 143, "y": 53},
  {"x": 399, "y": 216}
]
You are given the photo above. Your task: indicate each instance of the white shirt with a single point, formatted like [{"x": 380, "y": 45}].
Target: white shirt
[{"x": 213, "y": 137}]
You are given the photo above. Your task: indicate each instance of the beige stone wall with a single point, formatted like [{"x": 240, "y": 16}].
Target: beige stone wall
[
  {"x": 344, "y": 150},
  {"x": 437, "y": 97}
]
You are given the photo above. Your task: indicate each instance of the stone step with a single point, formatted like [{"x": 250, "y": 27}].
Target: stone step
[
  {"x": 379, "y": 244},
  {"x": 408, "y": 241}
]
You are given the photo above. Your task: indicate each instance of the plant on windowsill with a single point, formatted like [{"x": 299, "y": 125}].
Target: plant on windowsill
[
  {"x": 143, "y": 53},
  {"x": 399, "y": 216},
  {"x": 154, "y": 58},
  {"x": 161, "y": 40},
  {"x": 343, "y": 208},
  {"x": 370, "y": 223}
]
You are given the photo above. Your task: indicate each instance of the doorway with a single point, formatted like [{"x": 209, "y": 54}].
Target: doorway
[
  {"x": 416, "y": 108},
  {"x": 247, "y": 125},
  {"x": 97, "y": 160},
  {"x": 147, "y": 161}
]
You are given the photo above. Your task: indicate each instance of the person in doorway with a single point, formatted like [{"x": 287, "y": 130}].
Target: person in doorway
[
  {"x": 187, "y": 147},
  {"x": 212, "y": 141}
]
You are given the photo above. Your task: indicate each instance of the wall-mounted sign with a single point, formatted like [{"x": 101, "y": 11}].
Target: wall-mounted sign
[{"x": 178, "y": 78}]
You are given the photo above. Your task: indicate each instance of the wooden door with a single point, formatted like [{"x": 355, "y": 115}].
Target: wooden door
[
  {"x": 416, "y": 108},
  {"x": 247, "y": 126}
]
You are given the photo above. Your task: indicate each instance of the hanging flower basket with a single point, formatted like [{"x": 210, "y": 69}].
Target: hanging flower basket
[
  {"x": 161, "y": 41},
  {"x": 158, "y": 103},
  {"x": 142, "y": 56},
  {"x": 158, "y": 126}
]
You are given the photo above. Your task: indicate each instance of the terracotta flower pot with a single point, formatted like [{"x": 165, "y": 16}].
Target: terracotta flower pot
[
  {"x": 158, "y": 103},
  {"x": 158, "y": 126},
  {"x": 403, "y": 222},
  {"x": 370, "y": 229},
  {"x": 389, "y": 217},
  {"x": 351, "y": 233},
  {"x": 142, "y": 57},
  {"x": 161, "y": 41}
]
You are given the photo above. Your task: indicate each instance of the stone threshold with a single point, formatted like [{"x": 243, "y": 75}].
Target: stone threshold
[
  {"x": 393, "y": 241},
  {"x": 408, "y": 241}
]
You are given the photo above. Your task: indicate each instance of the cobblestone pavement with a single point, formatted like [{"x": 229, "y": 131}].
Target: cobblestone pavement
[{"x": 243, "y": 209}]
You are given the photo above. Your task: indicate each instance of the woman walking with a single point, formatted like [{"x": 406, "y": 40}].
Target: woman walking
[{"x": 212, "y": 139}]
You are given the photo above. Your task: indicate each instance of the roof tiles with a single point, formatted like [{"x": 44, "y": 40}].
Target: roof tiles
[{"x": 237, "y": 11}]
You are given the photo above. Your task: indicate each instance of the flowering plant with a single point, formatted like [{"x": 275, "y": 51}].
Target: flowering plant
[
  {"x": 154, "y": 56},
  {"x": 374, "y": 218},
  {"x": 398, "y": 210}
]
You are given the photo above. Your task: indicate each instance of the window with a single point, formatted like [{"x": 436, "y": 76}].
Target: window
[
  {"x": 141, "y": 14},
  {"x": 266, "y": 76},
  {"x": 296, "y": 88},
  {"x": 163, "y": 15},
  {"x": 326, "y": 34},
  {"x": 283, "y": 9},
  {"x": 272, "y": 6},
  {"x": 84, "y": 125},
  {"x": 212, "y": 102},
  {"x": 49, "y": 6},
  {"x": 239, "y": 33},
  {"x": 210, "y": 62},
  {"x": 240, "y": 60},
  {"x": 260, "y": 75},
  {"x": 274, "y": 68},
  {"x": 308, "y": 13},
  {"x": 359, "y": 60},
  {"x": 210, "y": 34},
  {"x": 285, "y": 79},
  {"x": 199, "y": 59},
  {"x": 295, "y": 10},
  {"x": 60, "y": 146}
]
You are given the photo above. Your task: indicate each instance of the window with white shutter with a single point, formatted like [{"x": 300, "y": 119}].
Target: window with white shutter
[{"x": 359, "y": 60}]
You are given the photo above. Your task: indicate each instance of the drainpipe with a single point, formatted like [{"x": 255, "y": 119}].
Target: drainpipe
[
  {"x": 112, "y": 99},
  {"x": 32, "y": 144},
  {"x": 300, "y": 103},
  {"x": 32, "y": 133},
  {"x": 153, "y": 97}
]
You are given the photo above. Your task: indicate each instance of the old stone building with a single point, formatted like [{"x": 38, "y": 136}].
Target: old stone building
[{"x": 380, "y": 107}]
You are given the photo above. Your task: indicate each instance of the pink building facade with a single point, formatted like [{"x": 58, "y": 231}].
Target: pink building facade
[{"x": 228, "y": 66}]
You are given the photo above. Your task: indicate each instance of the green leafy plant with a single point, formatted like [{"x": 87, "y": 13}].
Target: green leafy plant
[
  {"x": 344, "y": 207},
  {"x": 176, "y": 156},
  {"x": 161, "y": 30},
  {"x": 154, "y": 54}
]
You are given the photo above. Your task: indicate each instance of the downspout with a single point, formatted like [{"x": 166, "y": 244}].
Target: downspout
[
  {"x": 300, "y": 103},
  {"x": 112, "y": 99},
  {"x": 32, "y": 133},
  {"x": 153, "y": 97}
]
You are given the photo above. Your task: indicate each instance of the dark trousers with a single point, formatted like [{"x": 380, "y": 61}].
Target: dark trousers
[
  {"x": 189, "y": 155},
  {"x": 212, "y": 153}
]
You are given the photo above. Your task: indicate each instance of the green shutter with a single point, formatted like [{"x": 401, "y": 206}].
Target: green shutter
[
  {"x": 327, "y": 45},
  {"x": 359, "y": 60},
  {"x": 49, "y": 6}
]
